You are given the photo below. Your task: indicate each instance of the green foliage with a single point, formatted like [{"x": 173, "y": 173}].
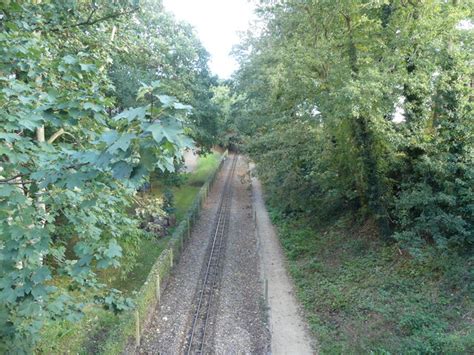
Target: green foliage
[
  {"x": 361, "y": 296},
  {"x": 185, "y": 193},
  {"x": 152, "y": 214},
  {"x": 168, "y": 202},
  {"x": 206, "y": 166},
  {"x": 155, "y": 47},
  {"x": 436, "y": 206},
  {"x": 97, "y": 324},
  {"x": 71, "y": 160},
  {"x": 116, "y": 302},
  {"x": 362, "y": 110},
  {"x": 300, "y": 168},
  {"x": 366, "y": 107},
  {"x": 227, "y": 131}
]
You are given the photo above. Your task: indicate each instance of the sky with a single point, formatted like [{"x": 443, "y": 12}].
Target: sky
[{"x": 217, "y": 23}]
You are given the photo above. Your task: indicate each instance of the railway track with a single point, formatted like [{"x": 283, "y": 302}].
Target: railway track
[{"x": 197, "y": 336}]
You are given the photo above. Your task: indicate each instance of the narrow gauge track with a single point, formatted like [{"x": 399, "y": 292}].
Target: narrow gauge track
[{"x": 196, "y": 340}]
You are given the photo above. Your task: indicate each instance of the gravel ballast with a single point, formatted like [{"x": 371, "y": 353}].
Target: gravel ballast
[{"x": 237, "y": 318}]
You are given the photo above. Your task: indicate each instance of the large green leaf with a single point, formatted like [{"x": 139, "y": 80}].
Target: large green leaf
[
  {"x": 122, "y": 143},
  {"x": 132, "y": 114},
  {"x": 113, "y": 250},
  {"x": 166, "y": 100},
  {"x": 121, "y": 170},
  {"x": 157, "y": 132}
]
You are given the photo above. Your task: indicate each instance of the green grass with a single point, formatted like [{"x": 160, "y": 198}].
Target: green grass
[
  {"x": 85, "y": 336},
  {"x": 362, "y": 296},
  {"x": 185, "y": 194},
  {"x": 148, "y": 251},
  {"x": 63, "y": 337},
  {"x": 183, "y": 199},
  {"x": 205, "y": 166}
]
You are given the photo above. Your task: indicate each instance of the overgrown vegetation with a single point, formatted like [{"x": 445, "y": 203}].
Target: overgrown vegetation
[
  {"x": 90, "y": 332},
  {"x": 361, "y": 111},
  {"x": 366, "y": 106},
  {"x": 361, "y": 295},
  {"x": 95, "y": 96},
  {"x": 184, "y": 186}
]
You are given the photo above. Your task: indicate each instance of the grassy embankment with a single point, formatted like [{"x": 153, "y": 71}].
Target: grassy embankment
[
  {"x": 85, "y": 335},
  {"x": 363, "y": 296},
  {"x": 184, "y": 196}
]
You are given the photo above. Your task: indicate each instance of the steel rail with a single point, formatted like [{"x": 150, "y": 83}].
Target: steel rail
[{"x": 206, "y": 294}]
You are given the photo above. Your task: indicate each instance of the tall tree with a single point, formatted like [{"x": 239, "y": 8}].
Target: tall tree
[
  {"x": 73, "y": 151},
  {"x": 376, "y": 80}
]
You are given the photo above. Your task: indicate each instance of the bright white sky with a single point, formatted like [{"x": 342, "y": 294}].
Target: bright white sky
[{"x": 217, "y": 23}]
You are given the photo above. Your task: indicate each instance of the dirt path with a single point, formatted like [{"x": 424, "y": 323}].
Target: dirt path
[
  {"x": 190, "y": 160},
  {"x": 237, "y": 321},
  {"x": 288, "y": 329}
]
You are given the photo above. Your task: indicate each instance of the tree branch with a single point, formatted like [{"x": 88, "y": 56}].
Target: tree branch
[
  {"x": 90, "y": 22},
  {"x": 59, "y": 133},
  {"x": 6, "y": 181},
  {"x": 56, "y": 135},
  {"x": 9, "y": 180}
]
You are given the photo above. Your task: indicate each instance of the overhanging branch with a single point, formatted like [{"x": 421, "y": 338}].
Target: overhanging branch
[{"x": 90, "y": 21}]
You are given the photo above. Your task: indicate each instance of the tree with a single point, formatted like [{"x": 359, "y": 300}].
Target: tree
[
  {"x": 71, "y": 160},
  {"x": 346, "y": 68},
  {"x": 155, "y": 47}
]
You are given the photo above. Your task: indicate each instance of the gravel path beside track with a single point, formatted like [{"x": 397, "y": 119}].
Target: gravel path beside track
[{"x": 289, "y": 330}]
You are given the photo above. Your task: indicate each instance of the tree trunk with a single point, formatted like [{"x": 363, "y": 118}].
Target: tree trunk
[{"x": 364, "y": 140}]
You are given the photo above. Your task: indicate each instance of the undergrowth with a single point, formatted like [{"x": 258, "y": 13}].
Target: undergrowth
[
  {"x": 363, "y": 296},
  {"x": 86, "y": 336}
]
